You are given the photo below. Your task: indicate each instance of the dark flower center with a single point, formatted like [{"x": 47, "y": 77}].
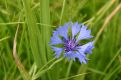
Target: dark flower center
[{"x": 70, "y": 45}]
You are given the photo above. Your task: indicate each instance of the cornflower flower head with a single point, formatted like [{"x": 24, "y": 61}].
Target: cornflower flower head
[{"x": 67, "y": 40}]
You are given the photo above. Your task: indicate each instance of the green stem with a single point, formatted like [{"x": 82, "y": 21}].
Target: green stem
[{"x": 69, "y": 68}]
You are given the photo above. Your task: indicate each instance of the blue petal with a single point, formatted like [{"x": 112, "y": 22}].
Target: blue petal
[
  {"x": 70, "y": 55},
  {"x": 84, "y": 33},
  {"x": 63, "y": 30},
  {"x": 90, "y": 47},
  {"x": 75, "y": 29},
  {"x": 58, "y": 51},
  {"x": 81, "y": 58},
  {"x": 55, "y": 33},
  {"x": 87, "y": 48},
  {"x": 55, "y": 40}
]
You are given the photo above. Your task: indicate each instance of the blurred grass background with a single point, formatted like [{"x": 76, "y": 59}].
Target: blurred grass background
[{"x": 36, "y": 19}]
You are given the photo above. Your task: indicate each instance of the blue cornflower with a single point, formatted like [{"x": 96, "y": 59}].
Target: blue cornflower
[{"x": 67, "y": 40}]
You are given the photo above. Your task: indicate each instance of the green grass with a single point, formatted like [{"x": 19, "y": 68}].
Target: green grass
[{"x": 37, "y": 19}]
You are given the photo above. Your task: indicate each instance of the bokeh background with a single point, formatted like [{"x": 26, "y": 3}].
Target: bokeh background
[{"x": 33, "y": 59}]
